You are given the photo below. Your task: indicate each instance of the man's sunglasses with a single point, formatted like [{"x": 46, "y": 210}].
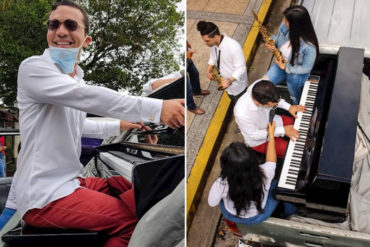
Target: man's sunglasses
[{"x": 70, "y": 25}]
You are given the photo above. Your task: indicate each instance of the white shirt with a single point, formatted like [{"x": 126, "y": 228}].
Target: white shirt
[
  {"x": 91, "y": 129},
  {"x": 253, "y": 120},
  {"x": 232, "y": 64},
  {"x": 52, "y": 111},
  {"x": 285, "y": 50},
  {"x": 220, "y": 190}
]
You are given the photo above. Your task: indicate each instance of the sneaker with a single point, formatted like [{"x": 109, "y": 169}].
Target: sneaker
[
  {"x": 203, "y": 92},
  {"x": 197, "y": 110}
]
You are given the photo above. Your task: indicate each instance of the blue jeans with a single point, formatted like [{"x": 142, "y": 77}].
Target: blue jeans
[
  {"x": 2, "y": 165},
  {"x": 189, "y": 95},
  {"x": 295, "y": 82},
  {"x": 193, "y": 76},
  {"x": 270, "y": 207},
  {"x": 5, "y": 216}
]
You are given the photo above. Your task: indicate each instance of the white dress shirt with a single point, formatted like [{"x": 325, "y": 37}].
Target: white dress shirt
[
  {"x": 253, "y": 120},
  {"x": 232, "y": 64},
  {"x": 91, "y": 129},
  {"x": 220, "y": 191},
  {"x": 52, "y": 111}
]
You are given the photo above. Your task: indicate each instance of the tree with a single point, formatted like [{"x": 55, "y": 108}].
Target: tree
[
  {"x": 133, "y": 41},
  {"x": 22, "y": 34}
]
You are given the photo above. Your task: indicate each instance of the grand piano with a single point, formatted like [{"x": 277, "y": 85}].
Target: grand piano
[
  {"x": 155, "y": 169},
  {"x": 317, "y": 169}
]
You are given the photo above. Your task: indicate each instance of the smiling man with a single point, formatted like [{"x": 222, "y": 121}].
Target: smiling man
[{"x": 53, "y": 100}]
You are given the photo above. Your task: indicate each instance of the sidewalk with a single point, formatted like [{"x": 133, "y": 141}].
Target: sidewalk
[{"x": 233, "y": 19}]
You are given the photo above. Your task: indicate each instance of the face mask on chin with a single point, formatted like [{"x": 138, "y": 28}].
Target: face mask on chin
[{"x": 65, "y": 57}]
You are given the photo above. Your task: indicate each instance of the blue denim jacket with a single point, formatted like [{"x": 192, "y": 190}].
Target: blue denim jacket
[{"x": 303, "y": 64}]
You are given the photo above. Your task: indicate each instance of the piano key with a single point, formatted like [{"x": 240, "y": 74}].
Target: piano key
[
  {"x": 296, "y": 154},
  {"x": 292, "y": 178},
  {"x": 295, "y": 165}
]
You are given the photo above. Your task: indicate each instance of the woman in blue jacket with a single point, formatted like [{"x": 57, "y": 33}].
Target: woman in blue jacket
[{"x": 297, "y": 42}]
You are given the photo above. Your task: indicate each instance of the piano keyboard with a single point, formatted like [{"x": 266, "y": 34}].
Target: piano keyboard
[
  {"x": 123, "y": 167},
  {"x": 294, "y": 153}
]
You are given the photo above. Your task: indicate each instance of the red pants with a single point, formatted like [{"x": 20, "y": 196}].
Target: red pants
[
  {"x": 280, "y": 144},
  {"x": 92, "y": 208}
]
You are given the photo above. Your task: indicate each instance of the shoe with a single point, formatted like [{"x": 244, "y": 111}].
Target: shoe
[
  {"x": 203, "y": 92},
  {"x": 197, "y": 110}
]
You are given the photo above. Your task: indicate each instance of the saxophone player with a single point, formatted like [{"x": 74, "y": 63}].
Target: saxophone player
[
  {"x": 227, "y": 55},
  {"x": 298, "y": 44}
]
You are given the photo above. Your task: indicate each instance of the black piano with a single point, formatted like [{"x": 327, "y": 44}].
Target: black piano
[
  {"x": 317, "y": 169},
  {"x": 154, "y": 169},
  {"x": 174, "y": 90}
]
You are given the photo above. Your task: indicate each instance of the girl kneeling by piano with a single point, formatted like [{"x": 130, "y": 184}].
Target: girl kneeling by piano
[
  {"x": 297, "y": 42},
  {"x": 244, "y": 189}
]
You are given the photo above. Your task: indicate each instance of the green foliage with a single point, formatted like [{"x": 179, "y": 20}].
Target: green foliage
[
  {"x": 133, "y": 41},
  {"x": 22, "y": 34}
]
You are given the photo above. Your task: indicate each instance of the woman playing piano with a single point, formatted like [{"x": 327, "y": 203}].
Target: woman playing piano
[
  {"x": 297, "y": 41},
  {"x": 244, "y": 189}
]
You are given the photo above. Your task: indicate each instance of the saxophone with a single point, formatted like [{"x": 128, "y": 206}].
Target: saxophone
[
  {"x": 218, "y": 77},
  {"x": 267, "y": 39}
]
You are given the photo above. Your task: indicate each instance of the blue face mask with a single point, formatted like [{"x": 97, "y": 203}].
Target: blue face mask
[{"x": 65, "y": 57}]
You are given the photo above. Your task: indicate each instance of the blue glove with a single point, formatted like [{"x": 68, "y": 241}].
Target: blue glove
[{"x": 5, "y": 216}]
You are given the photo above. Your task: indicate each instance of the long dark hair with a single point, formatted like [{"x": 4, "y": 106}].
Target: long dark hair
[
  {"x": 245, "y": 178},
  {"x": 300, "y": 26}
]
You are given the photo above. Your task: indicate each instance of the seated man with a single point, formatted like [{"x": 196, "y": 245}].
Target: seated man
[
  {"x": 92, "y": 129},
  {"x": 252, "y": 115},
  {"x": 53, "y": 101}
]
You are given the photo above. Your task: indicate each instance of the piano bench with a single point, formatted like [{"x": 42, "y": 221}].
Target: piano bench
[{"x": 33, "y": 236}]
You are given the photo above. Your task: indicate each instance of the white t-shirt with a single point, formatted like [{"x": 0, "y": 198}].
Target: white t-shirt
[
  {"x": 285, "y": 50},
  {"x": 220, "y": 190}
]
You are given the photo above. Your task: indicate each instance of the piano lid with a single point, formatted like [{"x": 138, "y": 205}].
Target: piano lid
[
  {"x": 174, "y": 90},
  {"x": 340, "y": 134}
]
